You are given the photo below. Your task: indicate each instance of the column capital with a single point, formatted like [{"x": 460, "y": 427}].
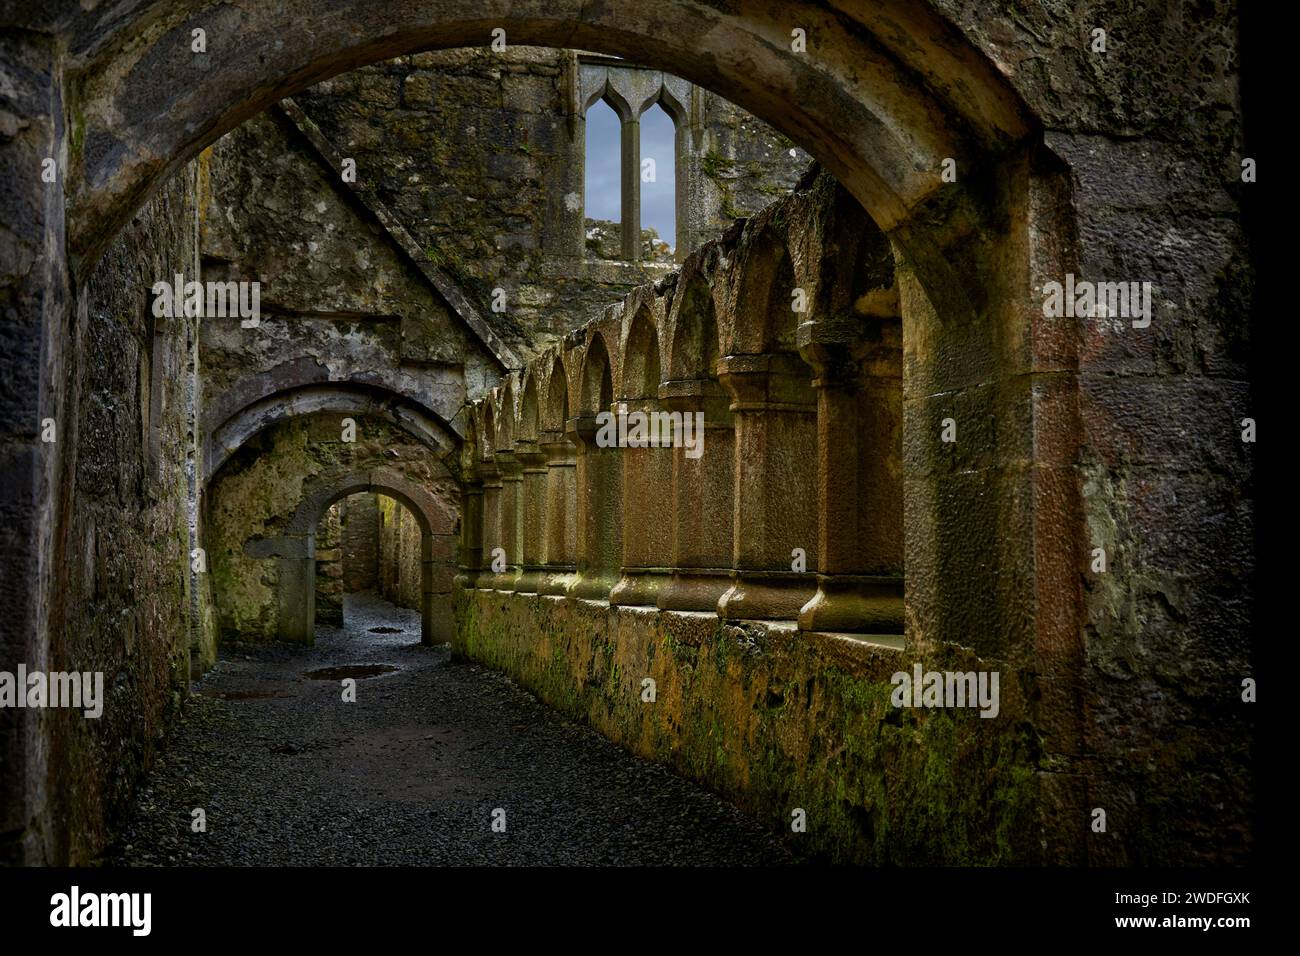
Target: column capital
[
  {"x": 489, "y": 474},
  {"x": 581, "y": 430},
  {"x": 508, "y": 465},
  {"x": 697, "y": 395},
  {"x": 530, "y": 454},
  {"x": 773, "y": 381},
  {"x": 834, "y": 347},
  {"x": 557, "y": 448}
]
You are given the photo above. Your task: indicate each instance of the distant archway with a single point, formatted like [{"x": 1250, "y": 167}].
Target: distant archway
[{"x": 297, "y": 551}]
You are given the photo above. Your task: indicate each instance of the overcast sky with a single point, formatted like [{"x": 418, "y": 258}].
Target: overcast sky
[{"x": 658, "y": 199}]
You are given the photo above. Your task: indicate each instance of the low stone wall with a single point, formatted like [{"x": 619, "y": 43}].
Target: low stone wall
[{"x": 779, "y": 720}]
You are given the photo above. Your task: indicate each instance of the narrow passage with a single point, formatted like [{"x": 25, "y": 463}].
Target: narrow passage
[{"x": 410, "y": 774}]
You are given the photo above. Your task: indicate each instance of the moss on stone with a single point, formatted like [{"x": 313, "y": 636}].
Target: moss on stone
[{"x": 774, "y": 721}]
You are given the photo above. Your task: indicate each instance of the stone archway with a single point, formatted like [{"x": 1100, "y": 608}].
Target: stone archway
[
  {"x": 886, "y": 92},
  {"x": 296, "y": 550},
  {"x": 225, "y": 438},
  {"x": 881, "y": 94}
]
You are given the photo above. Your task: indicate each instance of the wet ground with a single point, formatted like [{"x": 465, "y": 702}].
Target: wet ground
[{"x": 414, "y": 772}]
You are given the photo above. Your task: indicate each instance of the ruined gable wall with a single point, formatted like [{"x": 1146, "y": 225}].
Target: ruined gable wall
[
  {"x": 472, "y": 150},
  {"x": 337, "y": 296}
]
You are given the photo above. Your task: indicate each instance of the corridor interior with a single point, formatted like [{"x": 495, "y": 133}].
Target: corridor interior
[{"x": 618, "y": 433}]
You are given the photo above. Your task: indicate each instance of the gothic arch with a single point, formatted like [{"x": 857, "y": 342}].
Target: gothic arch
[
  {"x": 754, "y": 294},
  {"x": 487, "y": 430},
  {"x": 506, "y": 414},
  {"x": 607, "y": 94},
  {"x": 641, "y": 364},
  {"x": 596, "y": 385},
  {"x": 557, "y": 397},
  {"x": 691, "y": 326},
  {"x": 529, "y": 408}
]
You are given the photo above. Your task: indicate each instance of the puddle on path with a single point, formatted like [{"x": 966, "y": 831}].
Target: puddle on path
[{"x": 349, "y": 670}]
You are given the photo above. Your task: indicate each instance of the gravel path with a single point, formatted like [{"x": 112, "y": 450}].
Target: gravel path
[{"x": 411, "y": 773}]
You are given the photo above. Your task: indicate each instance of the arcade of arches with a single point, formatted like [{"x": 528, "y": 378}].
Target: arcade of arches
[{"x": 899, "y": 461}]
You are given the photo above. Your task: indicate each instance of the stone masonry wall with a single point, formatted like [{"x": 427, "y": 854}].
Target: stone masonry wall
[
  {"x": 474, "y": 153},
  {"x": 329, "y": 568},
  {"x": 777, "y": 719},
  {"x": 360, "y": 543},
  {"x": 335, "y": 291},
  {"x": 122, "y": 552}
]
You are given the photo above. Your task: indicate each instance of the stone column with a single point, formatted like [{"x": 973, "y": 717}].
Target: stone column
[
  {"x": 427, "y": 596},
  {"x": 647, "y": 513},
  {"x": 471, "y": 533},
  {"x": 561, "y": 531},
  {"x": 510, "y": 538},
  {"x": 702, "y": 490},
  {"x": 296, "y": 616},
  {"x": 775, "y": 506},
  {"x": 599, "y": 523},
  {"x": 631, "y": 173},
  {"x": 533, "y": 461},
  {"x": 859, "y": 476},
  {"x": 491, "y": 536},
  {"x": 440, "y": 623}
]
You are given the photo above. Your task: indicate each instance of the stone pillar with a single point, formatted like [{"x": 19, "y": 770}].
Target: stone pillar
[
  {"x": 631, "y": 172},
  {"x": 561, "y": 531},
  {"x": 471, "y": 533},
  {"x": 859, "y": 476},
  {"x": 600, "y": 550},
  {"x": 533, "y": 461},
  {"x": 775, "y": 506},
  {"x": 297, "y": 587},
  {"x": 702, "y": 494},
  {"x": 439, "y": 585},
  {"x": 647, "y": 514},
  {"x": 491, "y": 478},
  {"x": 427, "y": 595},
  {"x": 510, "y": 538}
]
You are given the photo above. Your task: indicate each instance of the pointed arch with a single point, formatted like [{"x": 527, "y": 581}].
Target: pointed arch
[{"x": 597, "y": 383}]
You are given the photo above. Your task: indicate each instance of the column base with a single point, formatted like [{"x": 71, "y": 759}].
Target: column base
[
  {"x": 592, "y": 585},
  {"x": 855, "y": 604},
  {"x": 694, "y": 589},
  {"x": 530, "y": 580},
  {"x": 505, "y": 581},
  {"x": 766, "y": 596},
  {"x": 639, "y": 587},
  {"x": 556, "y": 580}
]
